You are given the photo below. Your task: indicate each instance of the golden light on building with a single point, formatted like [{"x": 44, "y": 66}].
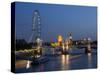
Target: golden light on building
[
  {"x": 63, "y": 46},
  {"x": 67, "y": 44},
  {"x": 59, "y": 39},
  {"x": 54, "y": 44}
]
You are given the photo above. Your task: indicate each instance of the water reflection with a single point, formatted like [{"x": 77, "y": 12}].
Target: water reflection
[
  {"x": 65, "y": 62},
  {"x": 53, "y": 50},
  {"x": 28, "y": 64},
  {"x": 59, "y": 62},
  {"x": 41, "y": 67},
  {"x": 20, "y": 63},
  {"x": 89, "y": 60}
]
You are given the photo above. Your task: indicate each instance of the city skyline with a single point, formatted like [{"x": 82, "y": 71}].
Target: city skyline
[
  {"x": 56, "y": 20},
  {"x": 53, "y": 37}
]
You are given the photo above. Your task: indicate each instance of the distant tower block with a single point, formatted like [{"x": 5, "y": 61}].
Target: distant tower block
[
  {"x": 88, "y": 46},
  {"x": 67, "y": 44},
  {"x": 70, "y": 39},
  {"x": 60, "y": 39},
  {"x": 70, "y": 36},
  {"x": 88, "y": 49}
]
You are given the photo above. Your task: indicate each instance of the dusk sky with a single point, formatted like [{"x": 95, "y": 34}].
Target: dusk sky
[{"x": 56, "y": 20}]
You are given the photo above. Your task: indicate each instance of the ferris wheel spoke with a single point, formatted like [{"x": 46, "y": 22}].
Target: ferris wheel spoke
[{"x": 36, "y": 26}]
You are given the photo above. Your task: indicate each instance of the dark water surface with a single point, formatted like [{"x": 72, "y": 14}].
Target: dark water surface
[{"x": 75, "y": 60}]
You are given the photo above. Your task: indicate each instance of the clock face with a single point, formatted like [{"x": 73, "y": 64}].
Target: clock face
[{"x": 70, "y": 37}]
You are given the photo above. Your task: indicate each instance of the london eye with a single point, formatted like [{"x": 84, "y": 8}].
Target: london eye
[{"x": 36, "y": 26}]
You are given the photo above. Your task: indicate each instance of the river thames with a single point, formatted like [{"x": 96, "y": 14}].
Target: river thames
[{"x": 76, "y": 59}]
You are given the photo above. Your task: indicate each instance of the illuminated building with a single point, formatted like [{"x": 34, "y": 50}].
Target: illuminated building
[
  {"x": 70, "y": 39},
  {"x": 70, "y": 36},
  {"x": 60, "y": 39}
]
